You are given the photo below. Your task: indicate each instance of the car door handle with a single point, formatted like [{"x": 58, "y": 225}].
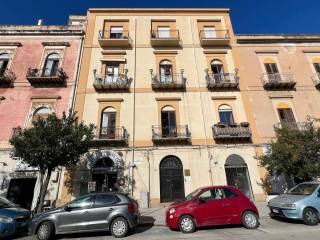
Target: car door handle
[
  {"x": 225, "y": 205},
  {"x": 85, "y": 212},
  {"x": 110, "y": 209}
]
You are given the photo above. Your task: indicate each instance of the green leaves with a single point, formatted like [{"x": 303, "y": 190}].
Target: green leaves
[
  {"x": 295, "y": 153},
  {"x": 52, "y": 142}
]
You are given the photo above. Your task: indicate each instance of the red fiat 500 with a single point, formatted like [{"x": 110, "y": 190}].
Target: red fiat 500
[{"x": 219, "y": 205}]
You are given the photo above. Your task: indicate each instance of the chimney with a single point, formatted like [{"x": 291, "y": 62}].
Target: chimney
[{"x": 40, "y": 22}]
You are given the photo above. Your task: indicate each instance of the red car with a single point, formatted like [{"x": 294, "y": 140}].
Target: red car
[{"x": 218, "y": 205}]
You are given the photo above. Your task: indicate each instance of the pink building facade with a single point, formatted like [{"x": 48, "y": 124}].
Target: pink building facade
[{"x": 38, "y": 75}]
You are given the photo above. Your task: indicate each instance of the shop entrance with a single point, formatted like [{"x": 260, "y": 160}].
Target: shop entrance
[{"x": 21, "y": 191}]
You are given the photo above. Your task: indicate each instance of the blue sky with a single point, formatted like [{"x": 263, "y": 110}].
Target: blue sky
[{"x": 248, "y": 16}]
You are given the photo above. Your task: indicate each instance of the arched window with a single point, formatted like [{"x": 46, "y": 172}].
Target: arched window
[
  {"x": 225, "y": 114},
  {"x": 42, "y": 112},
  {"x": 108, "y": 123},
  {"x": 4, "y": 61},
  {"x": 168, "y": 122},
  {"x": 51, "y": 65},
  {"x": 165, "y": 71},
  {"x": 217, "y": 67}
]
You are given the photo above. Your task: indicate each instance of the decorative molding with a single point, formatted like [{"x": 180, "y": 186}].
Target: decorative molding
[
  {"x": 108, "y": 52},
  {"x": 209, "y": 20},
  {"x": 165, "y": 52},
  {"x": 112, "y": 59},
  {"x": 116, "y": 20},
  {"x": 110, "y": 99},
  {"x": 223, "y": 97},
  {"x": 266, "y": 51},
  {"x": 215, "y": 52},
  {"x": 163, "y": 20},
  {"x": 280, "y": 96},
  {"x": 66, "y": 44},
  {"x": 311, "y": 51},
  {"x": 168, "y": 98},
  {"x": 46, "y": 97},
  {"x": 11, "y": 44}
]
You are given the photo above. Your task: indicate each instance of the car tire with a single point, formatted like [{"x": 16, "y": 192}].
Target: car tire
[
  {"x": 45, "y": 231},
  {"x": 187, "y": 224},
  {"x": 119, "y": 227},
  {"x": 310, "y": 217},
  {"x": 250, "y": 220}
]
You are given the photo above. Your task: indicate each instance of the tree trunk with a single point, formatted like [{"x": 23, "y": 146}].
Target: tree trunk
[{"x": 43, "y": 191}]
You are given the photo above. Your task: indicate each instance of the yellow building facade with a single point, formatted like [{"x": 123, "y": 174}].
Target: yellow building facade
[{"x": 163, "y": 88}]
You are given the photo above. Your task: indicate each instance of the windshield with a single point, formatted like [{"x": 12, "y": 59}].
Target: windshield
[
  {"x": 303, "y": 189},
  {"x": 4, "y": 203},
  {"x": 191, "y": 195}
]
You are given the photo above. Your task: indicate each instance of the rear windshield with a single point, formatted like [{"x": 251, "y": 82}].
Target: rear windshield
[
  {"x": 303, "y": 189},
  {"x": 6, "y": 203}
]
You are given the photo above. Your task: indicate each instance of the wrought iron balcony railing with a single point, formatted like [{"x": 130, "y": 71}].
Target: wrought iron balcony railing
[
  {"x": 169, "y": 81},
  {"x": 112, "y": 134},
  {"x": 43, "y": 76},
  {"x": 301, "y": 126},
  {"x": 108, "y": 38},
  {"x": 231, "y": 131},
  {"x": 170, "y": 133},
  {"x": 111, "y": 81},
  {"x": 278, "y": 81},
  {"x": 316, "y": 80},
  {"x": 222, "y": 80},
  {"x": 214, "y": 37},
  {"x": 6, "y": 78},
  {"x": 165, "y": 38}
]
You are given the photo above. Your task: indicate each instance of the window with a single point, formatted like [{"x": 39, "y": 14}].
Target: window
[
  {"x": 287, "y": 118},
  {"x": 168, "y": 122},
  {"x": 217, "y": 70},
  {"x": 112, "y": 71},
  {"x": 317, "y": 67},
  {"x": 108, "y": 123},
  {"x": 164, "y": 32},
  {"x": 209, "y": 32},
  {"x": 165, "y": 71},
  {"x": 213, "y": 194},
  {"x": 272, "y": 71},
  {"x": 4, "y": 61},
  {"x": 226, "y": 115},
  {"x": 82, "y": 202},
  {"x": 229, "y": 193},
  {"x": 116, "y": 32},
  {"x": 42, "y": 112},
  {"x": 51, "y": 65},
  {"x": 103, "y": 200}
]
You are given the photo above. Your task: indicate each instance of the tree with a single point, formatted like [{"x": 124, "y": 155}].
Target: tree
[
  {"x": 51, "y": 143},
  {"x": 295, "y": 153}
]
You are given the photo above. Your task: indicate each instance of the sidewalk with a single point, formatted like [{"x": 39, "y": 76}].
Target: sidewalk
[{"x": 156, "y": 216}]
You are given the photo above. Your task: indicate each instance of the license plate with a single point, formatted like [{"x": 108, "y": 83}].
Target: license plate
[{"x": 275, "y": 210}]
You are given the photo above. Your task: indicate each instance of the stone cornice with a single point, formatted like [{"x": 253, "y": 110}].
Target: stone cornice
[{"x": 65, "y": 44}]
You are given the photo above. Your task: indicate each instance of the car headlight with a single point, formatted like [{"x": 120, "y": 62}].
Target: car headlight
[
  {"x": 4, "y": 219},
  {"x": 289, "y": 205},
  {"x": 172, "y": 210}
]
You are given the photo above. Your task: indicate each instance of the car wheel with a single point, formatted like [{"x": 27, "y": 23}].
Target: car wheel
[
  {"x": 119, "y": 227},
  {"x": 310, "y": 217},
  {"x": 187, "y": 224},
  {"x": 45, "y": 231},
  {"x": 250, "y": 220}
]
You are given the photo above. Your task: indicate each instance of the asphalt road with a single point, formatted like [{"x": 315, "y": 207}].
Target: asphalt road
[{"x": 269, "y": 230}]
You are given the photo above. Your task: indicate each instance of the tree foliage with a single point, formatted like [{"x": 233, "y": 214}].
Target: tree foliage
[
  {"x": 295, "y": 153},
  {"x": 51, "y": 143}
]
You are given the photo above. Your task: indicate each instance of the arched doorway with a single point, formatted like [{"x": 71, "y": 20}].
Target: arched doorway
[
  {"x": 171, "y": 179},
  {"x": 237, "y": 174}
]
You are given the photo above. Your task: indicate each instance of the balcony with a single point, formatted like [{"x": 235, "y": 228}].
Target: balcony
[
  {"x": 214, "y": 38},
  {"x": 171, "y": 82},
  {"x": 109, "y": 39},
  {"x": 316, "y": 80},
  {"x": 6, "y": 78},
  {"x": 301, "y": 126},
  {"x": 39, "y": 76},
  {"x": 108, "y": 82},
  {"x": 166, "y": 134},
  {"x": 234, "y": 131},
  {"x": 112, "y": 136},
  {"x": 165, "y": 38},
  {"x": 278, "y": 81},
  {"x": 222, "y": 80}
]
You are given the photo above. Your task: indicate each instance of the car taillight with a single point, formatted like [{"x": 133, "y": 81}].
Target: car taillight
[{"x": 131, "y": 208}]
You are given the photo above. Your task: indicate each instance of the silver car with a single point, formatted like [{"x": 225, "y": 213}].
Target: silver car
[
  {"x": 114, "y": 212},
  {"x": 301, "y": 203}
]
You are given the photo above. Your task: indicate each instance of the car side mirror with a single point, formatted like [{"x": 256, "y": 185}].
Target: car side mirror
[
  {"x": 67, "y": 208},
  {"x": 201, "y": 201}
]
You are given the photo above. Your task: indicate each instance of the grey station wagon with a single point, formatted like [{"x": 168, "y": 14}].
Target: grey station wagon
[{"x": 114, "y": 212}]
